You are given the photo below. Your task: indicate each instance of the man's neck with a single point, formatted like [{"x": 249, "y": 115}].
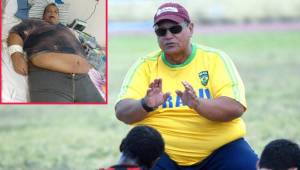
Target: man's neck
[{"x": 179, "y": 58}]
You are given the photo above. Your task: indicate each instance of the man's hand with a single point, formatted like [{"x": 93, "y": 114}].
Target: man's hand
[
  {"x": 155, "y": 97},
  {"x": 188, "y": 96},
  {"x": 19, "y": 63},
  {"x": 222, "y": 109}
]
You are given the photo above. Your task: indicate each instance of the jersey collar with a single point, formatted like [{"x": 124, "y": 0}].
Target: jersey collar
[{"x": 186, "y": 62}]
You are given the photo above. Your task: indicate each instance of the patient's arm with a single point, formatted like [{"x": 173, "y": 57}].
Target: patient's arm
[{"x": 19, "y": 63}]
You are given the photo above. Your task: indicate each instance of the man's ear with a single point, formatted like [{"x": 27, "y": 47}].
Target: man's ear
[{"x": 191, "y": 28}]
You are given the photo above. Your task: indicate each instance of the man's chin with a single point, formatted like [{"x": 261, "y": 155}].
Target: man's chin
[
  {"x": 170, "y": 50},
  {"x": 53, "y": 22}
]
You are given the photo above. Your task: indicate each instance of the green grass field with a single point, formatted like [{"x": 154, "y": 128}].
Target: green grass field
[{"x": 87, "y": 137}]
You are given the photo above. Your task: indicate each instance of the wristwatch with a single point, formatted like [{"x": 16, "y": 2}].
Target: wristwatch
[{"x": 146, "y": 107}]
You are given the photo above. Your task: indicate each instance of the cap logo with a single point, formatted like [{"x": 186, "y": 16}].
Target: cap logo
[{"x": 166, "y": 9}]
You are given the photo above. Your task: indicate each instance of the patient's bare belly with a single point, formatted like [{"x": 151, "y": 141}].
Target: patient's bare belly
[{"x": 61, "y": 62}]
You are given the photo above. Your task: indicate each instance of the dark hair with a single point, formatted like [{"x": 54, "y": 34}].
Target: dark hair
[
  {"x": 51, "y": 4},
  {"x": 280, "y": 154},
  {"x": 144, "y": 144}
]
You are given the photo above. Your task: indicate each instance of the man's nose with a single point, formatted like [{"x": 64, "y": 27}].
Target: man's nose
[{"x": 168, "y": 34}]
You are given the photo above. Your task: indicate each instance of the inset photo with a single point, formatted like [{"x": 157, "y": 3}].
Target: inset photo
[{"x": 54, "y": 52}]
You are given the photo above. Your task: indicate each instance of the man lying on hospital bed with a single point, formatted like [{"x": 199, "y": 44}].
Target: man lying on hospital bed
[{"x": 58, "y": 67}]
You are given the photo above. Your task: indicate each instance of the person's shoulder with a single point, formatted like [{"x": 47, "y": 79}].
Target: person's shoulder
[
  {"x": 33, "y": 20},
  {"x": 210, "y": 51},
  {"x": 153, "y": 56},
  {"x": 149, "y": 58},
  {"x": 207, "y": 49},
  {"x": 28, "y": 24}
]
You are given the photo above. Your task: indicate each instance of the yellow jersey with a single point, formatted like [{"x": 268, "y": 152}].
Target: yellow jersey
[{"x": 188, "y": 136}]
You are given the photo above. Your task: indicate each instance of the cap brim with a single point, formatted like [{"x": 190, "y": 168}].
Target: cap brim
[{"x": 174, "y": 18}]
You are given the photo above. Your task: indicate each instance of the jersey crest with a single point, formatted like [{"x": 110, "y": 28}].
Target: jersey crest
[{"x": 203, "y": 75}]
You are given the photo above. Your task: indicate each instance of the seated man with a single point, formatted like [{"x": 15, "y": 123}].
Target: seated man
[
  {"x": 280, "y": 154},
  {"x": 142, "y": 146},
  {"x": 57, "y": 67}
]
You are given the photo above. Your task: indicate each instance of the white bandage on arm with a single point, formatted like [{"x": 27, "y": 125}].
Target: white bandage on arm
[{"x": 15, "y": 48}]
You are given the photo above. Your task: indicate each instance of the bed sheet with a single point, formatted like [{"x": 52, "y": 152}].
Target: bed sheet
[{"x": 14, "y": 85}]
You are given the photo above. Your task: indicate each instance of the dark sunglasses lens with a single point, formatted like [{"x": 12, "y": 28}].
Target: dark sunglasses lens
[
  {"x": 175, "y": 29},
  {"x": 161, "y": 32}
]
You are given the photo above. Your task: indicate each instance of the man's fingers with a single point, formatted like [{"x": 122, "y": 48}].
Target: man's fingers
[
  {"x": 151, "y": 85},
  {"x": 188, "y": 86},
  {"x": 159, "y": 83},
  {"x": 25, "y": 70},
  {"x": 22, "y": 71},
  {"x": 19, "y": 70},
  {"x": 166, "y": 96},
  {"x": 182, "y": 96},
  {"x": 185, "y": 85},
  {"x": 179, "y": 93},
  {"x": 148, "y": 91},
  {"x": 156, "y": 83},
  {"x": 192, "y": 94}
]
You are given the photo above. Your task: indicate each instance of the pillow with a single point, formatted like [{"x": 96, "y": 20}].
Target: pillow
[
  {"x": 37, "y": 9},
  {"x": 59, "y": 2},
  {"x": 23, "y": 8},
  {"x": 30, "y": 2}
]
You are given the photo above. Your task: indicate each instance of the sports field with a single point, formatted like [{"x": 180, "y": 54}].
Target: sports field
[{"x": 87, "y": 137}]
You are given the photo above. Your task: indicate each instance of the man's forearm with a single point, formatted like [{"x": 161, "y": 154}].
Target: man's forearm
[
  {"x": 16, "y": 53},
  {"x": 222, "y": 109},
  {"x": 14, "y": 38},
  {"x": 130, "y": 111}
]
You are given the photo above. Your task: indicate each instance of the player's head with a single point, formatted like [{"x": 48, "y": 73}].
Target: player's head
[
  {"x": 280, "y": 154},
  {"x": 51, "y": 14},
  {"x": 144, "y": 145},
  {"x": 173, "y": 28}
]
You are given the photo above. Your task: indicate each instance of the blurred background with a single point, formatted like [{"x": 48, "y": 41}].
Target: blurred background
[{"x": 262, "y": 38}]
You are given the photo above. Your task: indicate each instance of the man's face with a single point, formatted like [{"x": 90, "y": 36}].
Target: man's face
[
  {"x": 51, "y": 15},
  {"x": 176, "y": 42}
]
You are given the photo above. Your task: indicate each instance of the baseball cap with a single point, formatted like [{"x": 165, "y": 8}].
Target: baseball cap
[{"x": 171, "y": 11}]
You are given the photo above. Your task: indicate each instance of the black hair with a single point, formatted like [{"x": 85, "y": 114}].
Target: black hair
[
  {"x": 143, "y": 144},
  {"x": 51, "y": 4},
  {"x": 280, "y": 154}
]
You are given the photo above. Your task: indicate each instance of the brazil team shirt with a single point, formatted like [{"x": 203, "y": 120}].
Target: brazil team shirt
[{"x": 189, "y": 137}]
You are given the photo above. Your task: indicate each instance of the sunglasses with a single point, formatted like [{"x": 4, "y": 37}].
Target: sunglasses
[{"x": 174, "y": 29}]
